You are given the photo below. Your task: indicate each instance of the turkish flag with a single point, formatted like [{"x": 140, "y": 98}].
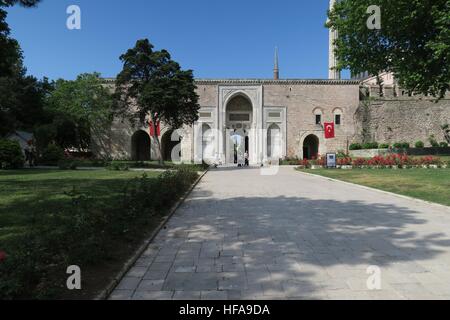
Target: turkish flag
[
  {"x": 154, "y": 131},
  {"x": 329, "y": 130}
]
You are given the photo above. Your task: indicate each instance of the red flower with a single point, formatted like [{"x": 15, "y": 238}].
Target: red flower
[
  {"x": 359, "y": 162},
  {"x": 2, "y": 256},
  {"x": 304, "y": 162}
]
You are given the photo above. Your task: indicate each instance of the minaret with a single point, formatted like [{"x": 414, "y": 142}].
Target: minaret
[
  {"x": 276, "y": 70},
  {"x": 332, "y": 60}
]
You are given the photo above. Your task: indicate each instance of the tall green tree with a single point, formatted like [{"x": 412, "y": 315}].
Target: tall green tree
[
  {"x": 21, "y": 96},
  {"x": 10, "y": 53},
  {"x": 413, "y": 42},
  {"x": 77, "y": 109},
  {"x": 152, "y": 87},
  {"x": 24, "y": 3}
]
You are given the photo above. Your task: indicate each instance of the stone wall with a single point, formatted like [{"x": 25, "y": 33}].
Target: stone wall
[
  {"x": 303, "y": 101},
  {"x": 366, "y": 116},
  {"x": 401, "y": 119}
]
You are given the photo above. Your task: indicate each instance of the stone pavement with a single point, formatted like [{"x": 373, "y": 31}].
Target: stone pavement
[{"x": 241, "y": 235}]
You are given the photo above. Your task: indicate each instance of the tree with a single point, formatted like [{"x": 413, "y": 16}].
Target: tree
[
  {"x": 77, "y": 109},
  {"x": 157, "y": 86},
  {"x": 21, "y": 96},
  {"x": 24, "y": 3},
  {"x": 413, "y": 42}
]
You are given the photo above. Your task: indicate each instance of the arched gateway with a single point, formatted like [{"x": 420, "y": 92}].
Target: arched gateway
[
  {"x": 311, "y": 147},
  {"x": 140, "y": 146},
  {"x": 239, "y": 118}
]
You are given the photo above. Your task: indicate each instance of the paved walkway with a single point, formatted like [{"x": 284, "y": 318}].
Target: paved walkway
[{"x": 241, "y": 235}]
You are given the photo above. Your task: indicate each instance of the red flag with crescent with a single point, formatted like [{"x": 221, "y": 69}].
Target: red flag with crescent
[
  {"x": 329, "y": 130},
  {"x": 155, "y": 131}
]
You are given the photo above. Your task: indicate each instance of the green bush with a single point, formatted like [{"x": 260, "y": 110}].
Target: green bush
[
  {"x": 401, "y": 145},
  {"x": 420, "y": 145},
  {"x": 51, "y": 155},
  {"x": 370, "y": 145},
  {"x": 118, "y": 166},
  {"x": 443, "y": 145},
  {"x": 384, "y": 146},
  {"x": 433, "y": 141},
  {"x": 341, "y": 154},
  {"x": 355, "y": 146},
  {"x": 83, "y": 232},
  {"x": 11, "y": 156}
]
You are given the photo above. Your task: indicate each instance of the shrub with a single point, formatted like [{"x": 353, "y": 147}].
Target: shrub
[
  {"x": 319, "y": 161},
  {"x": 433, "y": 141},
  {"x": 401, "y": 145},
  {"x": 341, "y": 154},
  {"x": 305, "y": 163},
  {"x": 84, "y": 232},
  {"x": 355, "y": 146},
  {"x": 370, "y": 145},
  {"x": 118, "y": 166},
  {"x": 347, "y": 161},
  {"x": 359, "y": 162},
  {"x": 289, "y": 162},
  {"x": 430, "y": 160},
  {"x": 51, "y": 155},
  {"x": 443, "y": 144},
  {"x": 420, "y": 144},
  {"x": 384, "y": 146},
  {"x": 11, "y": 156}
]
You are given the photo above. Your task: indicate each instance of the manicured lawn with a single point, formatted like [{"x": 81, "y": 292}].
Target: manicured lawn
[
  {"x": 23, "y": 192},
  {"x": 426, "y": 184}
]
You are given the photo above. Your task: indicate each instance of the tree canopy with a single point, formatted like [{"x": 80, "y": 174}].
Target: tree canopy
[
  {"x": 22, "y": 96},
  {"x": 413, "y": 41},
  {"x": 24, "y": 3},
  {"x": 76, "y": 109},
  {"x": 153, "y": 87}
]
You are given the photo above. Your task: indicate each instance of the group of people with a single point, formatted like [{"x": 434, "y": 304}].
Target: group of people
[{"x": 240, "y": 163}]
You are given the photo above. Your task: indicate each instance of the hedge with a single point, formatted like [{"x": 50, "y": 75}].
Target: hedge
[
  {"x": 11, "y": 156},
  {"x": 81, "y": 233}
]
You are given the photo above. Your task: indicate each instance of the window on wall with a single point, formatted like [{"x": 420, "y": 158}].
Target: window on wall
[
  {"x": 205, "y": 114},
  {"x": 337, "y": 119},
  {"x": 240, "y": 117},
  {"x": 318, "y": 119}
]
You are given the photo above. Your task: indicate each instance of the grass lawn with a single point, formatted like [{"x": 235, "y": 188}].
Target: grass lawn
[
  {"x": 426, "y": 184},
  {"x": 24, "y": 193}
]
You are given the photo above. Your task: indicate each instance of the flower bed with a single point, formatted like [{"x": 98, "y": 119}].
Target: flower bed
[{"x": 392, "y": 161}]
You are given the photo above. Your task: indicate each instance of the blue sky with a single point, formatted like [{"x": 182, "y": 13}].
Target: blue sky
[{"x": 217, "y": 39}]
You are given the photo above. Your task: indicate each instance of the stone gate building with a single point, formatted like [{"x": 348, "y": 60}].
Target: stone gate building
[{"x": 272, "y": 119}]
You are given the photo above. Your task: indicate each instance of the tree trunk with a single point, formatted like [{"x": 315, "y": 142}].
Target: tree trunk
[
  {"x": 380, "y": 85},
  {"x": 158, "y": 143}
]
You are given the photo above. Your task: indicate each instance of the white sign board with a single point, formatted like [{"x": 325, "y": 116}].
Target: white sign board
[{"x": 331, "y": 160}]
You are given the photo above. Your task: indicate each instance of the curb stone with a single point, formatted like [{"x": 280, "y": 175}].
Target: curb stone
[{"x": 104, "y": 295}]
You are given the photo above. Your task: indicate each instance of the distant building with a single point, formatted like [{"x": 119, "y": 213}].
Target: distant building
[
  {"x": 270, "y": 119},
  {"x": 22, "y": 138}
]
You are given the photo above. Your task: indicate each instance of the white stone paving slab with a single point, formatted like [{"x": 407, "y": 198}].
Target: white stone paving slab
[{"x": 243, "y": 235}]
